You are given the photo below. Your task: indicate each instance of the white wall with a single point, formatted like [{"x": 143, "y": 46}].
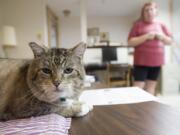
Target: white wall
[
  {"x": 1, "y": 49},
  {"x": 118, "y": 27},
  {"x": 170, "y": 79},
  {"x": 176, "y": 29},
  {"x": 164, "y": 12},
  {"x": 0, "y": 24},
  {"x": 176, "y": 20},
  {"x": 29, "y": 19},
  {"x": 70, "y": 31},
  {"x": 171, "y": 70}
]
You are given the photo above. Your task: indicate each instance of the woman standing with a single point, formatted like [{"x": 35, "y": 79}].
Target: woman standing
[{"x": 148, "y": 36}]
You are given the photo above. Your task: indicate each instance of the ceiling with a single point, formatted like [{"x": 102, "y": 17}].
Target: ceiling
[{"x": 97, "y": 7}]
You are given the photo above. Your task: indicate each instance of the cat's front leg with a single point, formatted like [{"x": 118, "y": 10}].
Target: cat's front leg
[
  {"x": 85, "y": 108},
  {"x": 75, "y": 108}
]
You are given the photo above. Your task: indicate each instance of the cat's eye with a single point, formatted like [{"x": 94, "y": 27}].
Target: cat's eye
[
  {"x": 68, "y": 70},
  {"x": 46, "y": 70}
]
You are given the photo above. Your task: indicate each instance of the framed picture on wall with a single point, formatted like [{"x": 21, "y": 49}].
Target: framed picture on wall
[{"x": 104, "y": 37}]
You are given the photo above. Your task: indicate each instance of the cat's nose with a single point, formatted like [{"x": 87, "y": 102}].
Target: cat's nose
[{"x": 56, "y": 83}]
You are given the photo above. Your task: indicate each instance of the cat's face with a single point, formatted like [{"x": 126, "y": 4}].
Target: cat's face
[{"x": 56, "y": 73}]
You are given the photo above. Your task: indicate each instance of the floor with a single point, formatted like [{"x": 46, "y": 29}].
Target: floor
[{"x": 172, "y": 100}]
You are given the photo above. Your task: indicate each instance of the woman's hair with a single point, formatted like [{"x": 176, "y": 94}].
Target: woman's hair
[{"x": 143, "y": 8}]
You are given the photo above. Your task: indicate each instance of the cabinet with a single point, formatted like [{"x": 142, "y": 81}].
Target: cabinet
[
  {"x": 111, "y": 75},
  {"x": 118, "y": 75}
]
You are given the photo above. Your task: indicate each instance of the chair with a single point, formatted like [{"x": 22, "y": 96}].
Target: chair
[{"x": 118, "y": 75}]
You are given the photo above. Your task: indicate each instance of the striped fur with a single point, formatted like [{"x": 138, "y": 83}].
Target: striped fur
[{"x": 35, "y": 87}]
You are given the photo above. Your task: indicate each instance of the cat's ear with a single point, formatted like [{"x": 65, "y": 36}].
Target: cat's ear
[
  {"x": 79, "y": 49},
  {"x": 37, "y": 49}
]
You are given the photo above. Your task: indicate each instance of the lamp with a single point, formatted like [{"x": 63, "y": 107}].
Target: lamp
[{"x": 9, "y": 36}]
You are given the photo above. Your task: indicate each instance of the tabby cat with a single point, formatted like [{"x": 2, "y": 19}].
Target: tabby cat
[{"x": 49, "y": 83}]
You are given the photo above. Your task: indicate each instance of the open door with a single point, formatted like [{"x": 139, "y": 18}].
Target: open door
[{"x": 53, "y": 28}]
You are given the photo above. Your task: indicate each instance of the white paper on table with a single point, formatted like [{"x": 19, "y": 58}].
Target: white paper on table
[{"x": 112, "y": 96}]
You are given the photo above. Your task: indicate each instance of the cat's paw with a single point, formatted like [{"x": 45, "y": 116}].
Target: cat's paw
[{"x": 85, "y": 108}]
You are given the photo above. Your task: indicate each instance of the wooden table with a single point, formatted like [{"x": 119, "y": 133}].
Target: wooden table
[{"x": 147, "y": 118}]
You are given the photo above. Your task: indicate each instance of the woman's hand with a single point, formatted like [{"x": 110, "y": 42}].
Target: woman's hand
[
  {"x": 150, "y": 36},
  {"x": 159, "y": 37},
  {"x": 135, "y": 41},
  {"x": 165, "y": 39}
]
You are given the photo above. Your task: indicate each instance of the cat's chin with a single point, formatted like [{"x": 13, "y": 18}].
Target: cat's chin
[
  {"x": 49, "y": 97},
  {"x": 51, "y": 94},
  {"x": 58, "y": 90}
]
